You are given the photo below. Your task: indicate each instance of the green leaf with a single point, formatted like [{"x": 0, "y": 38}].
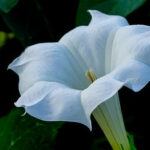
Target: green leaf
[
  {"x": 26, "y": 133},
  {"x": 131, "y": 141},
  {"x": 117, "y": 7},
  {"x": 4, "y": 37},
  {"x": 30, "y": 23},
  {"x": 7, "y": 5}
]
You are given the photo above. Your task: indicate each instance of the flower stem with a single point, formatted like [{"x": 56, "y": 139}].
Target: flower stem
[{"x": 109, "y": 117}]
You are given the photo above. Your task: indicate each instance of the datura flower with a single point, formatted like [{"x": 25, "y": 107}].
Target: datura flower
[{"x": 81, "y": 74}]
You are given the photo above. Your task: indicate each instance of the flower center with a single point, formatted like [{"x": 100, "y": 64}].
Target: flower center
[{"x": 90, "y": 75}]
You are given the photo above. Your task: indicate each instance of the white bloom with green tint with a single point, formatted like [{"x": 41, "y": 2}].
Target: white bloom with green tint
[{"x": 70, "y": 79}]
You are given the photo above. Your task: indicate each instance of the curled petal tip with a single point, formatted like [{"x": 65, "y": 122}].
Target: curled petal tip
[
  {"x": 96, "y": 13},
  {"x": 12, "y": 65},
  {"x": 17, "y": 104}
]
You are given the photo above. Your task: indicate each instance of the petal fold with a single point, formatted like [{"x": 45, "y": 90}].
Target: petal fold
[
  {"x": 48, "y": 62},
  {"x": 132, "y": 74},
  {"x": 130, "y": 59},
  {"x": 131, "y": 42},
  {"x": 98, "y": 92},
  {"x": 51, "y": 101}
]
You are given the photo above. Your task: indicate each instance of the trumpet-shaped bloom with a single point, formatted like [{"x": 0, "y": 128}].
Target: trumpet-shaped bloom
[{"x": 70, "y": 79}]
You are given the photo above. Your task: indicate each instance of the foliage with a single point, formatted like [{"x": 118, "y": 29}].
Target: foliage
[
  {"x": 24, "y": 132},
  {"x": 7, "y": 5},
  {"x": 119, "y": 7},
  {"x": 4, "y": 37},
  {"x": 131, "y": 140}
]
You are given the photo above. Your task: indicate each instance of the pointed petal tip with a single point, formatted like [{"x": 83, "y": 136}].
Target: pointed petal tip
[
  {"x": 101, "y": 16},
  {"x": 93, "y": 11},
  {"x": 96, "y": 13},
  {"x": 12, "y": 65},
  {"x": 140, "y": 86},
  {"x": 18, "y": 104},
  {"x": 88, "y": 124},
  {"x": 9, "y": 67}
]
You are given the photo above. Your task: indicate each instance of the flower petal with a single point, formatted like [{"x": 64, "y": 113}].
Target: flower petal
[
  {"x": 88, "y": 43},
  {"x": 131, "y": 56},
  {"x": 98, "y": 92},
  {"x": 131, "y": 42},
  {"x": 130, "y": 66},
  {"x": 132, "y": 74},
  {"x": 51, "y": 101},
  {"x": 48, "y": 62}
]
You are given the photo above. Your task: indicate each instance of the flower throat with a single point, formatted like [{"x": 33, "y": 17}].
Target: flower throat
[{"x": 90, "y": 75}]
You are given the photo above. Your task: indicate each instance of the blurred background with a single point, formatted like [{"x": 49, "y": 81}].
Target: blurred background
[{"x": 26, "y": 22}]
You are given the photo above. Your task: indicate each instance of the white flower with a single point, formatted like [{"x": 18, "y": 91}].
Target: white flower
[{"x": 54, "y": 78}]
